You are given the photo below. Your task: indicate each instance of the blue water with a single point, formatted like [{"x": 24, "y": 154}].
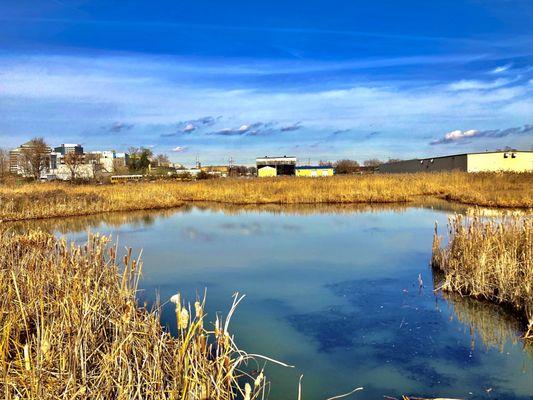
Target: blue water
[{"x": 332, "y": 291}]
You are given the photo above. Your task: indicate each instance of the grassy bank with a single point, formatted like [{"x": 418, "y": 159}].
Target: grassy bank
[
  {"x": 61, "y": 199},
  {"x": 491, "y": 260},
  {"x": 71, "y": 328}
]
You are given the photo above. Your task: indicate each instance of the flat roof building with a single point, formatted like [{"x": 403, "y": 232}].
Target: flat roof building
[
  {"x": 67, "y": 148},
  {"x": 276, "y": 166},
  {"x": 315, "y": 171},
  {"x": 19, "y": 163},
  {"x": 490, "y": 161}
]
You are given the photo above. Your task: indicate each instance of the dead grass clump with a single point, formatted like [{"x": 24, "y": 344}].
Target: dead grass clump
[
  {"x": 71, "y": 329},
  {"x": 490, "y": 259}
]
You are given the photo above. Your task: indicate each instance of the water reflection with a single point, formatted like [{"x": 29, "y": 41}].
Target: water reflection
[
  {"x": 146, "y": 218},
  {"x": 487, "y": 324},
  {"x": 332, "y": 289}
]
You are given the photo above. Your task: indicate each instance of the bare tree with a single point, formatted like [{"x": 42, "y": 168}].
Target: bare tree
[
  {"x": 4, "y": 162},
  {"x": 162, "y": 160},
  {"x": 35, "y": 157},
  {"x": 346, "y": 167},
  {"x": 119, "y": 166},
  {"x": 373, "y": 162},
  {"x": 73, "y": 161},
  {"x": 93, "y": 159},
  {"x": 393, "y": 160}
]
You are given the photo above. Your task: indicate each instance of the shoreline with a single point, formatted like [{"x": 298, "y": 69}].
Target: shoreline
[{"x": 414, "y": 202}]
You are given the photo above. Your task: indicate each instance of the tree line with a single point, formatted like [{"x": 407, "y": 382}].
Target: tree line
[{"x": 347, "y": 166}]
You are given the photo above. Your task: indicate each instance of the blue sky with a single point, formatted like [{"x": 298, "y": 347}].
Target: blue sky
[{"x": 316, "y": 79}]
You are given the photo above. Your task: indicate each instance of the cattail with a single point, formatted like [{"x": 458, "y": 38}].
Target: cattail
[
  {"x": 198, "y": 309},
  {"x": 27, "y": 364},
  {"x": 247, "y": 392},
  {"x": 259, "y": 379},
  {"x": 176, "y": 299},
  {"x": 45, "y": 347},
  {"x": 183, "y": 318},
  {"x": 218, "y": 331}
]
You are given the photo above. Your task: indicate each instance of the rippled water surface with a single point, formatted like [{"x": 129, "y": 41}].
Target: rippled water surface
[{"x": 334, "y": 292}]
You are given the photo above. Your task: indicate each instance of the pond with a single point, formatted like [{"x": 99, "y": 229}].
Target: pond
[{"x": 331, "y": 290}]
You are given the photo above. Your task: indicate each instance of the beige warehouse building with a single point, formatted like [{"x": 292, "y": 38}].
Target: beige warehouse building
[{"x": 494, "y": 161}]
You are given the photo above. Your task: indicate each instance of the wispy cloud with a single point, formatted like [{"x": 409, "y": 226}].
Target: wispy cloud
[
  {"x": 340, "y": 131},
  {"x": 500, "y": 69},
  {"x": 190, "y": 126},
  {"x": 241, "y": 130},
  {"x": 117, "y": 127},
  {"x": 179, "y": 149},
  {"x": 459, "y": 135},
  {"x": 291, "y": 127},
  {"x": 477, "y": 84},
  {"x": 245, "y": 120}
]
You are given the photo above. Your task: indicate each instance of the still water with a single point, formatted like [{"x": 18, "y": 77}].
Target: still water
[{"x": 331, "y": 290}]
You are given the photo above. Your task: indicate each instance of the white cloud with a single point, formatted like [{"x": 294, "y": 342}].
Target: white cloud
[
  {"x": 467, "y": 84},
  {"x": 501, "y": 69},
  {"x": 179, "y": 149},
  {"x": 459, "y": 135},
  {"x": 189, "y": 128}
]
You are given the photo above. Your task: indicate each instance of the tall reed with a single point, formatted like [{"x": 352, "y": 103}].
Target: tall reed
[
  {"x": 71, "y": 328},
  {"x": 47, "y": 200},
  {"x": 490, "y": 259}
]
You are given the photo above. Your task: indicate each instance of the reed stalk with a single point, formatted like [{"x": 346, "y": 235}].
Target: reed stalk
[
  {"x": 490, "y": 259},
  {"x": 46, "y": 200},
  {"x": 71, "y": 328}
]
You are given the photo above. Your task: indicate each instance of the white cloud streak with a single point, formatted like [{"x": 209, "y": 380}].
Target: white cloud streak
[
  {"x": 61, "y": 95},
  {"x": 501, "y": 69}
]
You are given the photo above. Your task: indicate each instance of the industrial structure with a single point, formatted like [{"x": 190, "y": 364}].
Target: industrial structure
[
  {"x": 313, "y": 171},
  {"x": 493, "y": 161},
  {"x": 274, "y": 166}
]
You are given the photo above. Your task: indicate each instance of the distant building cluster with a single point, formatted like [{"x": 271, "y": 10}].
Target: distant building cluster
[
  {"x": 35, "y": 159},
  {"x": 65, "y": 162}
]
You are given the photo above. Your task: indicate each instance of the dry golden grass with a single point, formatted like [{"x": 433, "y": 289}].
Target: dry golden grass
[
  {"x": 490, "y": 259},
  {"x": 71, "y": 328},
  {"x": 61, "y": 199}
]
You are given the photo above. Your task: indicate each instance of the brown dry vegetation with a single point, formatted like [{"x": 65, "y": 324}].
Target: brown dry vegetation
[
  {"x": 47, "y": 200},
  {"x": 490, "y": 259},
  {"x": 71, "y": 328},
  {"x": 488, "y": 324}
]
